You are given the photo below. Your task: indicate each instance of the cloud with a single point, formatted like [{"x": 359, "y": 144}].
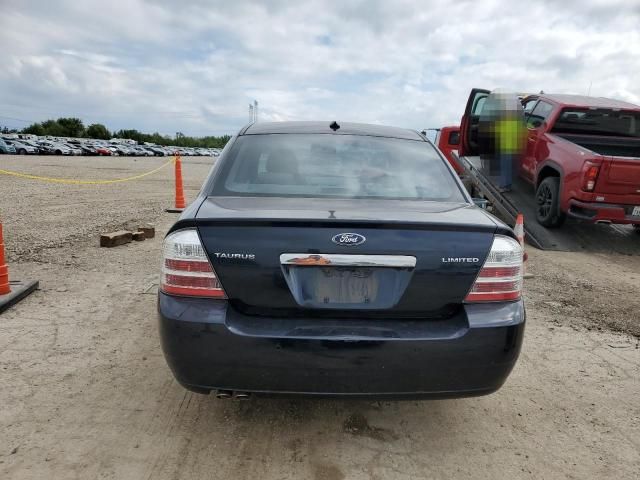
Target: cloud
[{"x": 195, "y": 66}]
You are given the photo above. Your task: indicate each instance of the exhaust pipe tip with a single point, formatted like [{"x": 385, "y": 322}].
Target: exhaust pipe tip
[
  {"x": 224, "y": 394},
  {"x": 243, "y": 396}
]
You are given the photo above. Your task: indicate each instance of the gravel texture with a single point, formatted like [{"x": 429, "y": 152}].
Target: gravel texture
[{"x": 86, "y": 392}]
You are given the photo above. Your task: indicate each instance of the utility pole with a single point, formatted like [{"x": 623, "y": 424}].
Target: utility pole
[{"x": 253, "y": 112}]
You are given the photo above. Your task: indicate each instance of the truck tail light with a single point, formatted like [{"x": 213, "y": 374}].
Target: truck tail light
[
  {"x": 590, "y": 177},
  {"x": 186, "y": 269},
  {"x": 500, "y": 278}
]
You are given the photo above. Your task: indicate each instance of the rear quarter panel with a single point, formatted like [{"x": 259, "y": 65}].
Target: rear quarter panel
[{"x": 567, "y": 158}]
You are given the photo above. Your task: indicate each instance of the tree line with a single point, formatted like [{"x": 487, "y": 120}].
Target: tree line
[{"x": 73, "y": 127}]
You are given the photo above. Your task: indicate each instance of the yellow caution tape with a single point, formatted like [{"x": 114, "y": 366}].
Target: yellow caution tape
[{"x": 83, "y": 182}]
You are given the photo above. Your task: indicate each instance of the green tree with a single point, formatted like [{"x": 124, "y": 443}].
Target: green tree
[
  {"x": 98, "y": 130},
  {"x": 34, "y": 129},
  {"x": 130, "y": 134},
  {"x": 53, "y": 128},
  {"x": 73, "y": 127}
]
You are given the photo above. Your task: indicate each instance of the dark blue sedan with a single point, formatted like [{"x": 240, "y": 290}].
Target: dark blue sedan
[{"x": 344, "y": 260}]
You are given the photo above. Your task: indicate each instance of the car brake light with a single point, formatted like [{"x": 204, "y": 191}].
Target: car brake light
[
  {"x": 500, "y": 278},
  {"x": 186, "y": 269},
  {"x": 590, "y": 177}
]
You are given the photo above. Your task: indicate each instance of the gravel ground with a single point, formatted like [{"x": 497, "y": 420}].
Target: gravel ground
[{"x": 86, "y": 392}]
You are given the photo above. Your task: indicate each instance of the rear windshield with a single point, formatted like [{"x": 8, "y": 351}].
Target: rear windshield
[
  {"x": 598, "y": 122},
  {"x": 336, "y": 166}
]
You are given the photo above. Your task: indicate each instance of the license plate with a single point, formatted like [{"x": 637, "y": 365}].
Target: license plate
[
  {"x": 636, "y": 212},
  {"x": 361, "y": 288},
  {"x": 345, "y": 285}
]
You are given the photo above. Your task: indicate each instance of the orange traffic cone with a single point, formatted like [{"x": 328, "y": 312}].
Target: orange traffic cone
[
  {"x": 180, "y": 204},
  {"x": 11, "y": 293},
  {"x": 4, "y": 270},
  {"x": 519, "y": 231}
]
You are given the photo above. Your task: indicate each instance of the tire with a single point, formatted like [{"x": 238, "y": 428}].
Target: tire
[
  {"x": 22, "y": 151},
  {"x": 58, "y": 152},
  {"x": 636, "y": 228},
  {"x": 548, "y": 211}
]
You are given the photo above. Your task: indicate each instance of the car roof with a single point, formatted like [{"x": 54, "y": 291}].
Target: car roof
[
  {"x": 585, "y": 101},
  {"x": 346, "y": 128}
]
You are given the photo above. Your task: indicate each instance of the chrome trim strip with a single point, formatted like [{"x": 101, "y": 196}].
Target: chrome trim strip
[{"x": 340, "y": 260}]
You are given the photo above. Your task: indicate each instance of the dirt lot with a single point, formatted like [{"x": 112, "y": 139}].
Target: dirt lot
[{"x": 86, "y": 392}]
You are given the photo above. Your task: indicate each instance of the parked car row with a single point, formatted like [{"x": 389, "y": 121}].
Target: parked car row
[
  {"x": 50, "y": 146},
  {"x": 6, "y": 148}
]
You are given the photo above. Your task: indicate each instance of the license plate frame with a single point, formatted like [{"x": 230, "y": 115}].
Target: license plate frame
[{"x": 347, "y": 281}]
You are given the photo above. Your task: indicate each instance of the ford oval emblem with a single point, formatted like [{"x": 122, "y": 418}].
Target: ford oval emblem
[{"x": 349, "y": 239}]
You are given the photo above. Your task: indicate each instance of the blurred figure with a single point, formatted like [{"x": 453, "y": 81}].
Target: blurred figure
[{"x": 501, "y": 135}]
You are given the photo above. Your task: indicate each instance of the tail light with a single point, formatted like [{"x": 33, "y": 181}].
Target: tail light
[
  {"x": 590, "y": 177},
  {"x": 186, "y": 269},
  {"x": 500, "y": 278}
]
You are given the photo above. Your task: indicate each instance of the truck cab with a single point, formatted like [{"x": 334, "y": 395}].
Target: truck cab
[
  {"x": 447, "y": 140},
  {"x": 582, "y": 156}
]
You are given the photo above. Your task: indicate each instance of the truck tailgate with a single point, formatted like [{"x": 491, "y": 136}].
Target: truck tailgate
[{"x": 619, "y": 175}]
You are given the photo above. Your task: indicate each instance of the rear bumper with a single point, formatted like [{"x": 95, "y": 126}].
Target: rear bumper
[
  {"x": 602, "y": 212},
  {"x": 210, "y": 346}
]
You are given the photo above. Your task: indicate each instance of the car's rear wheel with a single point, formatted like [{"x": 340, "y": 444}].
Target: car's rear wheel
[
  {"x": 58, "y": 152},
  {"x": 22, "y": 151},
  {"x": 548, "y": 211}
]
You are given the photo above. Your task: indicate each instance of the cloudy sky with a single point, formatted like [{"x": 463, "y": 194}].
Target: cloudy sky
[{"x": 167, "y": 66}]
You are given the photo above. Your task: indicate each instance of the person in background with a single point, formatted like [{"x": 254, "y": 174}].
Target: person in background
[{"x": 502, "y": 131}]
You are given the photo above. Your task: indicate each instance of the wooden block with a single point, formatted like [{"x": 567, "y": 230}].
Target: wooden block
[
  {"x": 149, "y": 230},
  {"x": 115, "y": 238},
  {"x": 138, "y": 236}
]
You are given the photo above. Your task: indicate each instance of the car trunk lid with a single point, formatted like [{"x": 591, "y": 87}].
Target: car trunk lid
[{"x": 286, "y": 255}]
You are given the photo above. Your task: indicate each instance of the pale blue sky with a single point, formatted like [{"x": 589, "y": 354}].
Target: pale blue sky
[{"x": 195, "y": 66}]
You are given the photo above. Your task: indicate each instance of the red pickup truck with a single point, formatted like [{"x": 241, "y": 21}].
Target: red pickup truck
[
  {"x": 582, "y": 156},
  {"x": 448, "y": 140}
]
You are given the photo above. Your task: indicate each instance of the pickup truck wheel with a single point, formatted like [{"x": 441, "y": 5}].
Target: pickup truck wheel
[{"x": 548, "y": 211}]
